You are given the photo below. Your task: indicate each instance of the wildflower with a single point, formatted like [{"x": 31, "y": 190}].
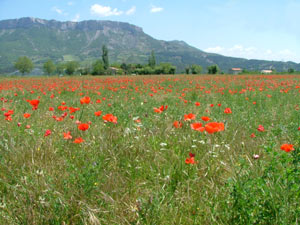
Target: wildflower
[
  {"x": 287, "y": 147},
  {"x": 197, "y": 104},
  {"x": 26, "y": 115},
  {"x": 78, "y": 140},
  {"x": 177, "y": 124},
  {"x": 67, "y": 135},
  {"x": 110, "y": 118},
  {"x": 160, "y": 109},
  {"x": 98, "y": 113},
  {"x": 197, "y": 127},
  {"x": 191, "y": 159},
  {"x": 252, "y": 135},
  {"x": 227, "y": 111},
  {"x": 255, "y": 156},
  {"x": 35, "y": 103},
  {"x": 189, "y": 117},
  {"x": 261, "y": 128},
  {"x": 214, "y": 127},
  {"x": 47, "y": 133},
  {"x": 205, "y": 118},
  {"x": 85, "y": 100},
  {"x": 83, "y": 126}
]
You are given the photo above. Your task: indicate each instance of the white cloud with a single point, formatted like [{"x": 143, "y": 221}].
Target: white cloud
[
  {"x": 131, "y": 10},
  {"x": 59, "y": 11},
  {"x": 70, "y": 3},
  {"x": 216, "y": 49},
  {"x": 105, "y": 11},
  {"x": 155, "y": 9},
  {"x": 76, "y": 18},
  {"x": 255, "y": 53}
]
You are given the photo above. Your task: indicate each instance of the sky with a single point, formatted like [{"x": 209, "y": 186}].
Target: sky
[{"x": 252, "y": 29}]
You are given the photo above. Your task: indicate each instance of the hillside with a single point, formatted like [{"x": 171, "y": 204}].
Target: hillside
[{"x": 62, "y": 41}]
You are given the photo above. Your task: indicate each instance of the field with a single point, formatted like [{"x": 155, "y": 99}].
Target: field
[{"x": 150, "y": 150}]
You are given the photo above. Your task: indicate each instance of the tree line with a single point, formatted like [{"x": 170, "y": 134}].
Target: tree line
[{"x": 103, "y": 67}]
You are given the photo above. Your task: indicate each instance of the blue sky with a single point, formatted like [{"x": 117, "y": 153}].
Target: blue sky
[{"x": 262, "y": 29}]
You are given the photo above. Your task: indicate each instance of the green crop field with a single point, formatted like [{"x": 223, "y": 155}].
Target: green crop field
[{"x": 150, "y": 150}]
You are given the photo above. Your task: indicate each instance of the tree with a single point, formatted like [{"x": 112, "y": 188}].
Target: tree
[
  {"x": 49, "y": 67},
  {"x": 60, "y": 68},
  {"x": 98, "y": 68},
  {"x": 187, "y": 70},
  {"x": 71, "y": 67},
  {"x": 196, "y": 69},
  {"x": 105, "y": 57},
  {"x": 152, "y": 60},
  {"x": 213, "y": 69},
  {"x": 291, "y": 70},
  {"x": 24, "y": 65}
]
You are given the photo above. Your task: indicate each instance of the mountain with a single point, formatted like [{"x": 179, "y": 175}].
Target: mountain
[{"x": 42, "y": 39}]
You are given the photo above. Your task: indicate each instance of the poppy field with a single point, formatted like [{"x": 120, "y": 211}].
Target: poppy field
[{"x": 150, "y": 150}]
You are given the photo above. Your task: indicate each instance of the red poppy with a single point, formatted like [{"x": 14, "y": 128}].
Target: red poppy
[
  {"x": 26, "y": 115},
  {"x": 253, "y": 135},
  {"x": 98, "y": 113},
  {"x": 35, "y": 103},
  {"x": 110, "y": 118},
  {"x": 67, "y": 135},
  {"x": 78, "y": 140},
  {"x": 287, "y": 147},
  {"x": 47, "y": 133},
  {"x": 214, "y": 127},
  {"x": 72, "y": 109},
  {"x": 177, "y": 124},
  {"x": 51, "y": 109},
  {"x": 85, "y": 100},
  {"x": 227, "y": 111},
  {"x": 197, "y": 127},
  {"x": 191, "y": 159},
  {"x": 197, "y": 103},
  {"x": 83, "y": 126},
  {"x": 205, "y": 118},
  {"x": 189, "y": 117},
  {"x": 160, "y": 109},
  {"x": 261, "y": 128}
]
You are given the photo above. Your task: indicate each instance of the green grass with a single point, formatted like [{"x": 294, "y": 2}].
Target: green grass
[{"x": 135, "y": 173}]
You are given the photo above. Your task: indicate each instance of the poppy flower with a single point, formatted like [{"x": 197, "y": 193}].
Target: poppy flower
[
  {"x": 110, "y": 118},
  {"x": 51, "y": 109},
  {"x": 160, "y": 109},
  {"x": 47, "y": 133},
  {"x": 177, "y": 124},
  {"x": 287, "y": 147},
  {"x": 191, "y": 159},
  {"x": 197, "y": 127},
  {"x": 252, "y": 135},
  {"x": 205, "y": 118},
  {"x": 83, "y": 126},
  {"x": 35, "y": 103},
  {"x": 261, "y": 128},
  {"x": 214, "y": 127},
  {"x": 67, "y": 135},
  {"x": 197, "y": 103},
  {"x": 85, "y": 100},
  {"x": 98, "y": 113},
  {"x": 227, "y": 111},
  {"x": 78, "y": 140},
  {"x": 26, "y": 115},
  {"x": 189, "y": 117}
]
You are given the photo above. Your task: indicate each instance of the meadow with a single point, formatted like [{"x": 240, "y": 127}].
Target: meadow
[{"x": 150, "y": 150}]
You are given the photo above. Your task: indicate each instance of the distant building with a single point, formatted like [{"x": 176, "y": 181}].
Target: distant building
[
  {"x": 114, "y": 70},
  {"x": 236, "y": 70},
  {"x": 266, "y": 71}
]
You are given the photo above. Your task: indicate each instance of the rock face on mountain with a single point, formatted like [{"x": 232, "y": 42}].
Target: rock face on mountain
[{"x": 63, "y": 41}]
